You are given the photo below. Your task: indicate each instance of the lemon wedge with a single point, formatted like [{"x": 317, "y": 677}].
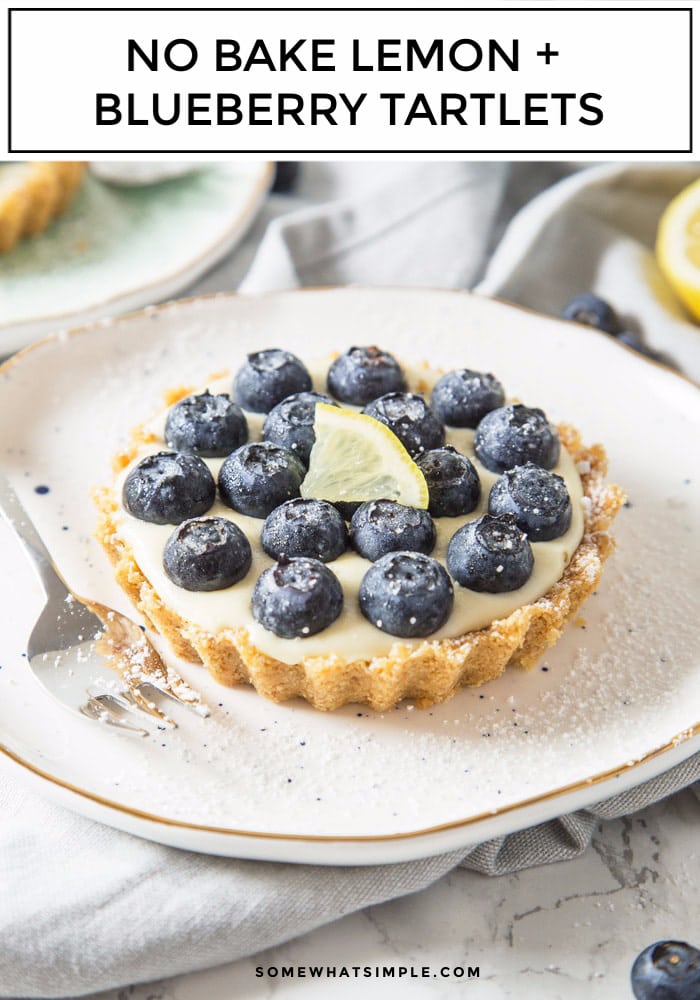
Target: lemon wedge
[
  {"x": 355, "y": 457},
  {"x": 678, "y": 246}
]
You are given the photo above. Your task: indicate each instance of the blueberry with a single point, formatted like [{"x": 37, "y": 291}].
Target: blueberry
[
  {"x": 258, "y": 477},
  {"x": 291, "y": 423},
  {"x": 297, "y": 598},
  {"x": 286, "y": 173},
  {"x": 461, "y": 398},
  {"x": 539, "y": 501},
  {"x": 514, "y": 435},
  {"x": 633, "y": 340},
  {"x": 407, "y": 594},
  {"x": 206, "y": 425},
  {"x": 168, "y": 487},
  {"x": 490, "y": 555},
  {"x": 363, "y": 373},
  {"x": 310, "y": 528},
  {"x": 206, "y": 553},
  {"x": 346, "y": 508},
  {"x": 410, "y": 418},
  {"x": 591, "y": 310},
  {"x": 667, "y": 970},
  {"x": 267, "y": 378},
  {"x": 453, "y": 482},
  {"x": 381, "y": 526}
]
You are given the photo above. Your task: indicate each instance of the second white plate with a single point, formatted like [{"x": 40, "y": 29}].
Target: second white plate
[{"x": 118, "y": 248}]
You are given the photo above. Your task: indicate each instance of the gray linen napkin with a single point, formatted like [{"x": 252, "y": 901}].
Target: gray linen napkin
[{"x": 85, "y": 908}]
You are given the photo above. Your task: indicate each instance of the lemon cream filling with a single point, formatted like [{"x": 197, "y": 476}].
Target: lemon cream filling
[{"x": 351, "y": 636}]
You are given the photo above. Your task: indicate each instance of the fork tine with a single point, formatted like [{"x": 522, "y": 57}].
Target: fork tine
[
  {"x": 178, "y": 689},
  {"x": 97, "y": 711},
  {"x": 132, "y": 700},
  {"x": 140, "y": 703},
  {"x": 133, "y": 656}
]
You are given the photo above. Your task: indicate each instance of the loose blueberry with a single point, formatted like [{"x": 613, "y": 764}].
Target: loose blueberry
[
  {"x": 206, "y": 553},
  {"x": 633, "y": 340},
  {"x": 291, "y": 423},
  {"x": 539, "y": 501},
  {"x": 461, "y": 398},
  {"x": 258, "y": 477},
  {"x": 453, "y": 482},
  {"x": 296, "y": 598},
  {"x": 514, "y": 435},
  {"x": 490, "y": 555},
  {"x": 591, "y": 310},
  {"x": 406, "y": 594},
  {"x": 168, "y": 487},
  {"x": 267, "y": 378},
  {"x": 410, "y": 418},
  {"x": 311, "y": 528},
  {"x": 667, "y": 970},
  {"x": 381, "y": 526},
  {"x": 211, "y": 426},
  {"x": 363, "y": 373}
]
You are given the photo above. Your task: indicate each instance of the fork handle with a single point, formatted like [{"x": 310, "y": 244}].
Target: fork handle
[{"x": 19, "y": 520}]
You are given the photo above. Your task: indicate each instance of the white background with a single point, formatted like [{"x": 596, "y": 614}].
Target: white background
[{"x": 637, "y": 59}]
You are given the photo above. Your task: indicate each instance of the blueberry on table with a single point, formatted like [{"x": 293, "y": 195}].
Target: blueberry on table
[
  {"x": 168, "y": 487},
  {"x": 591, "y": 310},
  {"x": 410, "y": 418},
  {"x": 296, "y": 598},
  {"x": 461, "y": 398},
  {"x": 633, "y": 340},
  {"x": 490, "y": 555},
  {"x": 206, "y": 553},
  {"x": 311, "y": 528},
  {"x": 406, "y": 594},
  {"x": 267, "y": 378},
  {"x": 539, "y": 501},
  {"x": 291, "y": 423},
  {"x": 453, "y": 482},
  {"x": 514, "y": 435},
  {"x": 258, "y": 477},
  {"x": 363, "y": 373},
  {"x": 381, "y": 526},
  {"x": 667, "y": 970},
  {"x": 206, "y": 425}
]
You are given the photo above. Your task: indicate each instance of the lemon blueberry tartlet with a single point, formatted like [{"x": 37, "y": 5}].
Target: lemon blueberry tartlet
[
  {"x": 364, "y": 532},
  {"x": 32, "y": 195}
]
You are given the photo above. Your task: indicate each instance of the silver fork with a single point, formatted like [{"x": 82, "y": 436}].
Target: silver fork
[{"x": 93, "y": 659}]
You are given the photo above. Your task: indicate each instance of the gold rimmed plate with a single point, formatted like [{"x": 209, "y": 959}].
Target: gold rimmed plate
[{"x": 616, "y": 701}]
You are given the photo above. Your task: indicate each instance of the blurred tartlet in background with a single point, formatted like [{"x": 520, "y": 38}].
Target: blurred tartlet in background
[{"x": 32, "y": 195}]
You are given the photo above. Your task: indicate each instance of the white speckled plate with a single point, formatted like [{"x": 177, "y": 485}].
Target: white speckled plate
[
  {"x": 118, "y": 248},
  {"x": 613, "y": 703}
]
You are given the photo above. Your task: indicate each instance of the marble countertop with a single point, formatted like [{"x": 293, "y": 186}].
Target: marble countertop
[{"x": 568, "y": 931}]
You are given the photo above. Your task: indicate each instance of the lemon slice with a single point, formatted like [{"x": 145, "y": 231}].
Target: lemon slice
[
  {"x": 678, "y": 246},
  {"x": 355, "y": 457}
]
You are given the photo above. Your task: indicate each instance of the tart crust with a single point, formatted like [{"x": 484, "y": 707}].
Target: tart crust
[
  {"x": 428, "y": 671},
  {"x": 37, "y": 193}
]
